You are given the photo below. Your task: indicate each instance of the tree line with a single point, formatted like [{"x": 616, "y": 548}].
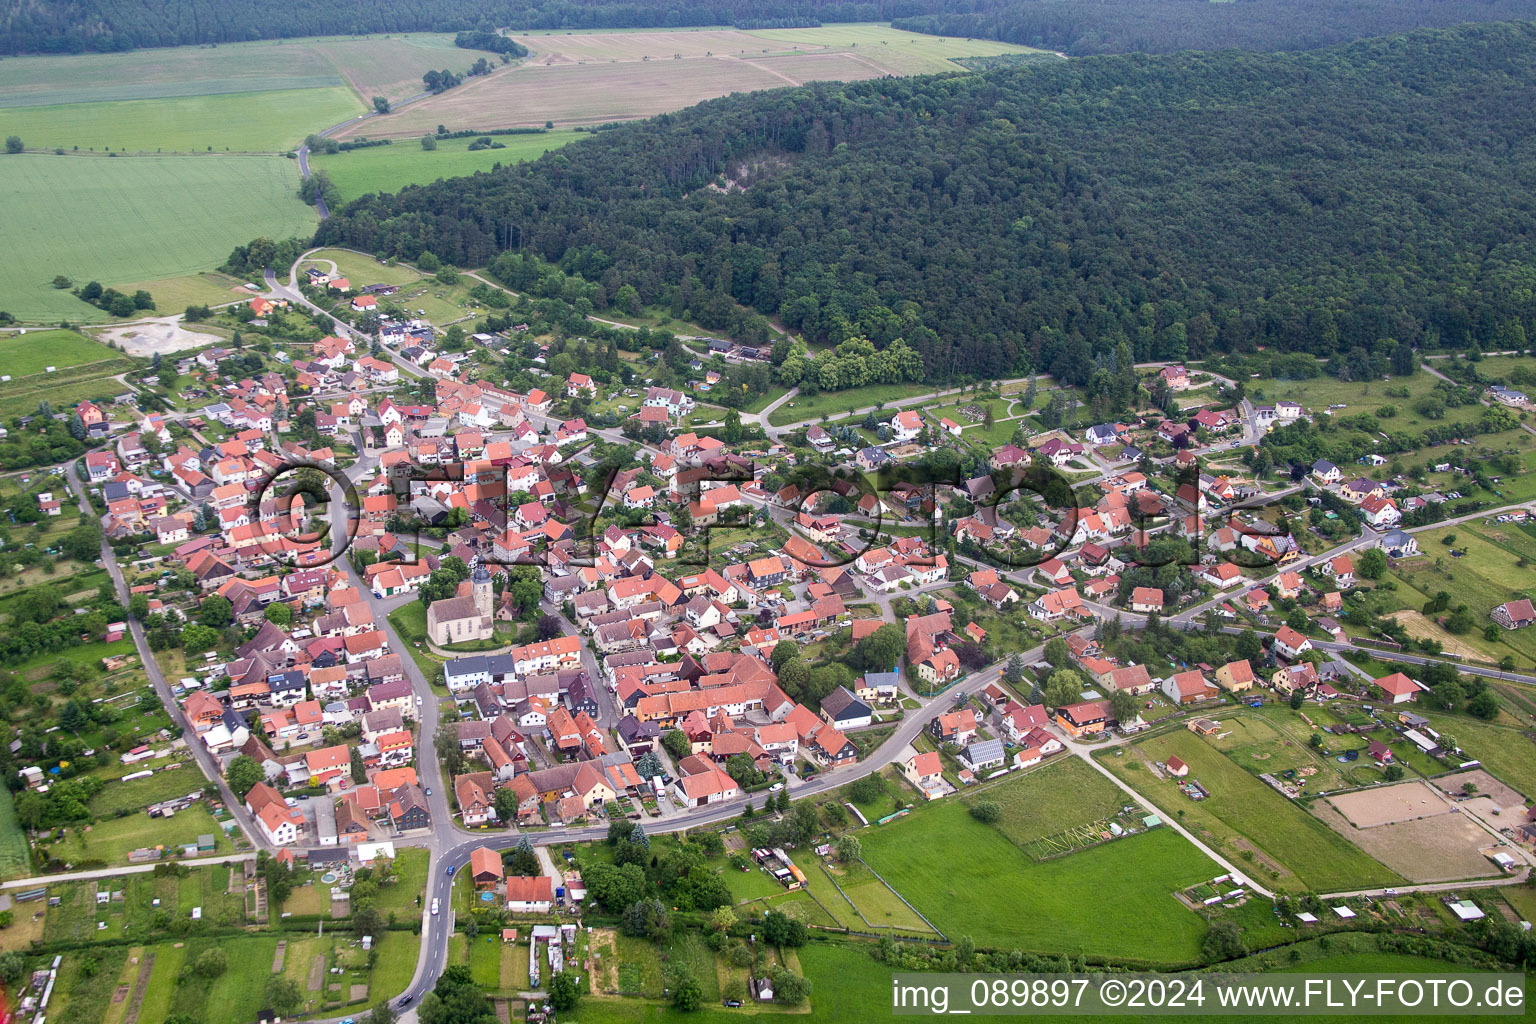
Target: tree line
[
  {"x": 1087, "y": 27},
  {"x": 1032, "y": 219},
  {"x": 106, "y": 26}
]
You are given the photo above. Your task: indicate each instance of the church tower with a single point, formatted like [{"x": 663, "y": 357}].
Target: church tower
[{"x": 480, "y": 589}]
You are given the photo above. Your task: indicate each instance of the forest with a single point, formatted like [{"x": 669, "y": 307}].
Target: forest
[
  {"x": 1081, "y": 28},
  {"x": 1076, "y": 27},
  {"x": 76, "y": 26},
  {"x": 1036, "y": 218}
]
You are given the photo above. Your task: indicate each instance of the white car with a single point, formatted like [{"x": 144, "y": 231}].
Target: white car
[
  {"x": 418, "y": 700},
  {"x": 434, "y": 908}
]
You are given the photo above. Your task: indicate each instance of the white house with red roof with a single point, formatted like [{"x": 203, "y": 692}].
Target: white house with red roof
[{"x": 906, "y": 425}]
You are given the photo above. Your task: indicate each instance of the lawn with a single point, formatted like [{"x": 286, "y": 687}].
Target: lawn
[
  {"x": 968, "y": 879},
  {"x": 240, "y": 122},
  {"x": 133, "y": 220},
  {"x": 113, "y": 839},
  {"x": 1250, "y": 821},
  {"x": 411, "y": 867},
  {"x": 169, "y": 958},
  {"x": 410, "y": 621},
  {"x": 63, "y": 389},
  {"x": 24, "y": 354},
  {"x": 441, "y": 303},
  {"x": 838, "y": 403},
  {"x": 390, "y": 168}
]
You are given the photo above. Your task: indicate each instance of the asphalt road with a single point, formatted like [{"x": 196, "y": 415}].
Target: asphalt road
[{"x": 449, "y": 845}]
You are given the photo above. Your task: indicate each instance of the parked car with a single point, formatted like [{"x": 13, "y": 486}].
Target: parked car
[{"x": 434, "y": 908}]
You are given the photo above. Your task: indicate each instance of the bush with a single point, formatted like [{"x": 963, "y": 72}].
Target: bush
[
  {"x": 211, "y": 963},
  {"x": 987, "y": 812}
]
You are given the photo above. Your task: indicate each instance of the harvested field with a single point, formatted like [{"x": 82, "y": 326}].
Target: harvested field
[
  {"x": 602, "y": 47},
  {"x": 821, "y": 67},
  {"x": 1406, "y": 802},
  {"x": 1441, "y": 848},
  {"x": 568, "y": 94},
  {"x": 576, "y": 78}
]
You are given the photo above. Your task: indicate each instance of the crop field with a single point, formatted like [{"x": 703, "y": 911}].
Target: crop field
[
  {"x": 245, "y": 122},
  {"x": 391, "y": 66},
  {"x": 892, "y": 50},
  {"x": 1490, "y": 573},
  {"x": 968, "y": 879},
  {"x": 559, "y": 46},
  {"x": 1252, "y": 822},
  {"x": 163, "y": 74},
  {"x": 133, "y": 220},
  {"x": 390, "y": 168},
  {"x": 571, "y": 94},
  {"x": 593, "y": 77},
  {"x": 23, "y": 354}
]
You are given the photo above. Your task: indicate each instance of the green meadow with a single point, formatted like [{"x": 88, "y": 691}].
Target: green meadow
[
  {"x": 24, "y": 354},
  {"x": 243, "y": 122},
  {"x": 390, "y": 168},
  {"x": 133, "y": 219},
  {"x": 969, "y": 879}
]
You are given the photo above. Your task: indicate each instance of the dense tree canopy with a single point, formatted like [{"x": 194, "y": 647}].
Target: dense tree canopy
[
  {"x": 1039, "y": 218},
  {"x": 1084, "y": 27}
]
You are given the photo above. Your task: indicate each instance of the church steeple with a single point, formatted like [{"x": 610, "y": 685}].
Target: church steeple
[{"x": 480, "y": 589}]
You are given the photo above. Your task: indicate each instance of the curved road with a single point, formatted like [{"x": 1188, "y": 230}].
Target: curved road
[{"x": 449, "y": 845}]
